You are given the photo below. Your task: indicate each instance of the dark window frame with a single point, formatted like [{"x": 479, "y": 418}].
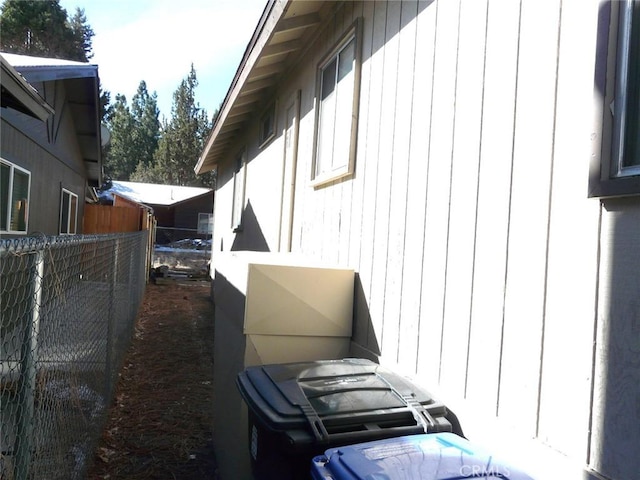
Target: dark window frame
[{"x": 615, "y": 171}]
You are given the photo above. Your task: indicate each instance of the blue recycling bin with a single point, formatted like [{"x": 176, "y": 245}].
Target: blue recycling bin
[{"x": 432, "y": 456}]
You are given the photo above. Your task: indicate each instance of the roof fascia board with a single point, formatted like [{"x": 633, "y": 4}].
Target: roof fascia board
[{"x": 49, "y": 73}]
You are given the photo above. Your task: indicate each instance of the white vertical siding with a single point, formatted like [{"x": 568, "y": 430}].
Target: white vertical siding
[
  {"x": 572, "y": 244},
  {"x": 467, "y": 130},
  {"x": 496, "y": 154},
  {"x": 529, "y": 214},
  {"x": 467, "y": 217},
  {"x": 367, "y": 157},
  {"x": 438, "y": 189}
]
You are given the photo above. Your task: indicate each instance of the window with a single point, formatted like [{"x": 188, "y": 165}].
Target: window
[
  {"x": 238, "y": 192},
  {"x": 15, "y": 185},
  {"x": 267, "y": 125},
  {"x": 626, "y": 108},
  {"x": 205, "y": 223},
  {"x": 618, "y": 172},
  {"x": 336, "y": 114},
  {"x": 68, "y": 212}
]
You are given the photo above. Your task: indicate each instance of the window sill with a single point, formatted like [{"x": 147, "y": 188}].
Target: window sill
[
  {"x": 616, "y": 187},
  {"x": 326, "y": 178}
]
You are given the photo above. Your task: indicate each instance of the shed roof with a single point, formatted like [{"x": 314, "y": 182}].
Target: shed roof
[
  {"x": 83, "y": 100},
  {"x": 154, "y": 194},
  {"x": 282, "y": 35}
]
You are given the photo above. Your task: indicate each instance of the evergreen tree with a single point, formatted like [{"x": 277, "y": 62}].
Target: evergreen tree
[
  {"x": 42, "y": 28},
  {"x": 135, "y": 133},
  {"x": 82, "y": 36},
  {"x": 120, "y": 159},
  {"x": 146, "y": 134},
  {"x": 182, "y": 139}
]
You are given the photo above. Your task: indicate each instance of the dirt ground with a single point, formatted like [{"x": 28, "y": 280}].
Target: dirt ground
[{"x": 159, "y": 426}]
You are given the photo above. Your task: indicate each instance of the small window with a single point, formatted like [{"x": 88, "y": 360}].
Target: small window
[
  {"x": 238, "y": 191},
  {"x": 338, "y": 87},
  {"x": 15, "y": 187},
  {"x": 205, "y": 223},
  {"x": 267, "y": 125},
  {"x": 68, "y": 213}
]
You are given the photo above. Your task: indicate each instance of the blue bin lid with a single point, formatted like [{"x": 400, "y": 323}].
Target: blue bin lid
[{"x": 433, "y": 456}]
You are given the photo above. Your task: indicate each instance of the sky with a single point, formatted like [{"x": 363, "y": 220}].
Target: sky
[{"x": 158, "y": 40}]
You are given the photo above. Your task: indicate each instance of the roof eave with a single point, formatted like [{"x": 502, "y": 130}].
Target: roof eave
[{"x": 23, "y": 96}]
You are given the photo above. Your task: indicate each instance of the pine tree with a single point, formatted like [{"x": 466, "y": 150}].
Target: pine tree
[
  {"x": 146, "y": 134},
  {"x": 120, "y": 159},
  {"x": 42, "y": 28},
  {"x": 183, "y": 138}
]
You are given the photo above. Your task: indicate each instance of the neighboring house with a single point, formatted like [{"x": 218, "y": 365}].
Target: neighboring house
[
  {"x": 51, "y": 144},
  {"x": 477, "y": 163},
  {"x": 180, "y": 212}
]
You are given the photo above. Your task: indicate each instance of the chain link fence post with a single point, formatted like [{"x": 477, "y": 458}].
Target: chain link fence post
[{"x": 27, "y": 389}]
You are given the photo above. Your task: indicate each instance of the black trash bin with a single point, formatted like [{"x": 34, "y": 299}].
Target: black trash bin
[{"x": 298, "y": 410}]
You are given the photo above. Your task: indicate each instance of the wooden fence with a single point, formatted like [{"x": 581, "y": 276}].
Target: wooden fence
[{"x": 108, "y": 219}]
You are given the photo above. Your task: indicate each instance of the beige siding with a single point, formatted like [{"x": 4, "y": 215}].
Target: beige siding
[{"x": 467, "y": 217}]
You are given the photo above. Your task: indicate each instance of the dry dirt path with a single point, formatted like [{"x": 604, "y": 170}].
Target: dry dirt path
[{"x": 159, "y": 426}]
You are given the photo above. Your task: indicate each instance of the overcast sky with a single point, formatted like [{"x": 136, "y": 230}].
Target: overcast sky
[{"x": 158, "y": 40}]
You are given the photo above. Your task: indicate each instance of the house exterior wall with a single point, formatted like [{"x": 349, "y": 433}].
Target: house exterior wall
[
  {"x": 49, "y": 151},
  {"x": 186, "y": 213},
  {"x": 484, "y": 270}
]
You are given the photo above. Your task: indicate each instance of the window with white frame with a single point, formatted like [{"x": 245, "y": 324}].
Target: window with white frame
[
  {"x": 238, "y": 191},
  {"x": 205, "y": 223},
  {"x": 338, "y": 91},
  {"x": 68, "y": 212},
  {"x": 15, "y": 188}
]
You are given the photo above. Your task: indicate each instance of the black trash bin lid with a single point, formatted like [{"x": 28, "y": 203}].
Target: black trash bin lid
[{"x": 338, "y": 397}]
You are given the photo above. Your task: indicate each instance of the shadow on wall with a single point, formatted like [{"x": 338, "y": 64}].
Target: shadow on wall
[
  {"x": 364, "y": 342},
  {"x": 250, "y": 236},
  {"x": 616, "y": 411}
]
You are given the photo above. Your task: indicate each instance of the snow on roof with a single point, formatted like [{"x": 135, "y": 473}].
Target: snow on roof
[
  {"x": 16, "y": 60},
  {"x": 153, "y": 194}
]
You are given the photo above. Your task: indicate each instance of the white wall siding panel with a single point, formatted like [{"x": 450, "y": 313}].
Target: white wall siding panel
[
  {"x": 529, "y": 215},
  {"x": 368, "y": 153},
  {"x": 404, "y": 42},
  {"x": 360, "y": 239},
  {"x": 438, "y": 189},
  {"x": 379, "y": 279},
  {"x": 410, "y": 312},
  {"x": 573, "y": 245},
  {"x": 362, "y": 169},
  {"x": 463, "y": 195},
  {"x": 493, "y": 203}
]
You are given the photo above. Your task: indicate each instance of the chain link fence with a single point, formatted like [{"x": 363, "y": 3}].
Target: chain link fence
[
  {"x": 67, "y": 310},
  {"x": 182, "y": 250}
]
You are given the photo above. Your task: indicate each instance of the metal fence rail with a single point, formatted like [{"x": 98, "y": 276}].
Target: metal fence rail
[{"x": 67, "y": 310}]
